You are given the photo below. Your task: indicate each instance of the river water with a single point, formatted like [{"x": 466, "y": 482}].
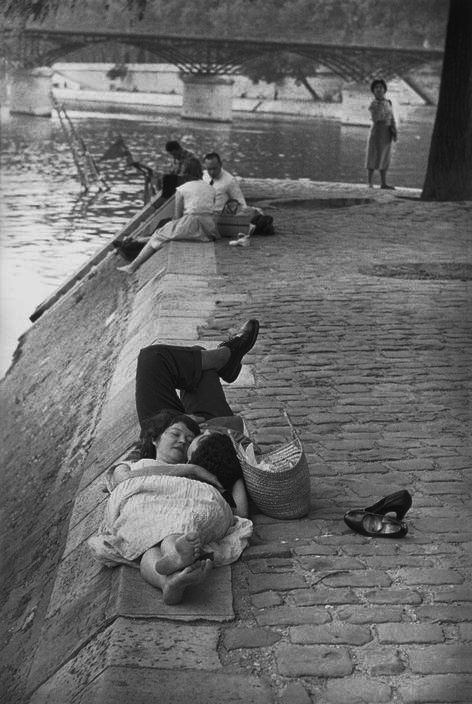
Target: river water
[{"x": 48, "y": 227}]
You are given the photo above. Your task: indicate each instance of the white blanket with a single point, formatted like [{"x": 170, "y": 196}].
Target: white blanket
[{"x": 141, "y": 511}]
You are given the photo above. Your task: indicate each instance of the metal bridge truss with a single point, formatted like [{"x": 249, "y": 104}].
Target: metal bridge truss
[{"x": 216, "y": 56}]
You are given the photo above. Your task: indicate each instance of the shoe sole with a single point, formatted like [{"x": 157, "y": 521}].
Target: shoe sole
[{"x": 229, "y": 379}]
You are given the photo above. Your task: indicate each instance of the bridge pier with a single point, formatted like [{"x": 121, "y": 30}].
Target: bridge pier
[
  {"x": 207, "y": 97},
  {"x": 30, "y": 91}
]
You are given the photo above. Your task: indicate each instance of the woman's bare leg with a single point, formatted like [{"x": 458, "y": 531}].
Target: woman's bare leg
[
  {"x": 383, "y": 180},
  {"x": 147, "y": 568},
  {"x": 178, "y": 551},
  {"x": 145, "y": 254},
  {"x": 370, "y": 177}
]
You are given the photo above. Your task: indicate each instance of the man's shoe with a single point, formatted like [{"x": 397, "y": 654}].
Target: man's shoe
[{"x": 239, "y": 345}]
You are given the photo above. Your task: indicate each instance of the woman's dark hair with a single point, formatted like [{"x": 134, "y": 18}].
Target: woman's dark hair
[
  {"x": 192, "y": 169},
  {"x": 216, "y": 453},
  {"x": 172, "y": 146},
  {"x": 153, "y": 428},
  {"x": 378, "y": 82}
]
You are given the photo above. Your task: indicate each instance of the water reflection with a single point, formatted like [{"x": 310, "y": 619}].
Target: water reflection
[{"x": 48, "y": 228}]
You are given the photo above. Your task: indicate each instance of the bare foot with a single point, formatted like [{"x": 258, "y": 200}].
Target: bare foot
[
  {"x": 178, "y": 552},
  {"x": 174, "y": 588},
  {"x": 127, "y": 269}
]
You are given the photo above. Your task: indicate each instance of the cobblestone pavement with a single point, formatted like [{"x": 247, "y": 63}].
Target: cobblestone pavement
[{"x": 374, "y": 372}]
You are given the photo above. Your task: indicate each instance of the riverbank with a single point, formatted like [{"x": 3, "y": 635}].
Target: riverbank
[
  {"x": 123, "y": 102},
  {"x": 157, "y": 88},
  {"x": 53, "y": 227},
  {"x": 368, "y": 355},
  {"x": 152, "y": 103}
]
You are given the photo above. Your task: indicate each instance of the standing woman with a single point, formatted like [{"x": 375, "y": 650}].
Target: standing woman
[
  {"x": 382, "y": 133},
  {"x": 193, "y": 216}
]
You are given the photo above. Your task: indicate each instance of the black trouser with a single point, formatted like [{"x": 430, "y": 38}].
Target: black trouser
[{"x": 162, "y": 369}]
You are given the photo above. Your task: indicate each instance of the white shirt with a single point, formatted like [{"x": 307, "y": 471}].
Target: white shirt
[
  {"x": 226, "y": 187},
  {"x": 198, "y": 198}
]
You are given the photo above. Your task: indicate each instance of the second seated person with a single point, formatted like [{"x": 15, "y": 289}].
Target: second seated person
[
  {"x": 193, "y": 216},
  {"x": 225, "y": 185}
]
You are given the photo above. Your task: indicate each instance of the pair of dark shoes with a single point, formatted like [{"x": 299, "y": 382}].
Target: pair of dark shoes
[
  {"x": 373, "y": 520},
  {"x": 239, "y": 345}
]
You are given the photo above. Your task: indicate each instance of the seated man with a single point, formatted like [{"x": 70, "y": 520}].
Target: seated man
[
  {"x": 196, "y": 373},
  {"x": 225, "y": 185},
  {"x": 227, "y": 188}
]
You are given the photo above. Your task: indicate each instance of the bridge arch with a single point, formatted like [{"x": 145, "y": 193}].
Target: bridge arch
[{"x": 226, "y": 56}]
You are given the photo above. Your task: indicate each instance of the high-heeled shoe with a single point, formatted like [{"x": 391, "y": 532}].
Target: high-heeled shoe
[
  {"x": 398, "y": 503},
  {"x": 375, "y": 525}
]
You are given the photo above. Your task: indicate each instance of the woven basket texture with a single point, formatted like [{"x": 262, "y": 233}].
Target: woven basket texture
[
  {"x": 232, "y": 225},
  {"x": 282, "y": 489}
]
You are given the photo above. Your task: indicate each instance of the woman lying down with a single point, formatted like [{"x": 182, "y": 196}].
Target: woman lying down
[{"x": 172, "y": 518}]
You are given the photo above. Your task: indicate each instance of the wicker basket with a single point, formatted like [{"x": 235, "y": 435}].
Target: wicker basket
[
  {"x": 278, "y": 482},
  {"x": 232, "y": 225},
  {"x": 230, "y": 222}
]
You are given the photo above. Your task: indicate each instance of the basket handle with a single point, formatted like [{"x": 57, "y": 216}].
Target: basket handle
[{"x": 295, "y": 435}]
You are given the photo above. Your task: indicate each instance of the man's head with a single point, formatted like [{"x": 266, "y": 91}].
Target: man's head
[
  {"x": 212, "y": 163},
  {"x": 173, "y": 147}
]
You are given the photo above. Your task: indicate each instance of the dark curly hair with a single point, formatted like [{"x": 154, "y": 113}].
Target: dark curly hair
[
  {"x": 216, "y": 453},
  {"x": 172, "y": 146},
  {"x": 192, "y": 169},
  {"x": 378, "y": 82},
  {"x": 154, "y": 427}
]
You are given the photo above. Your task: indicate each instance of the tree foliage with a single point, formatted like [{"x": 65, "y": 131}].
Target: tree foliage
[
  {"x": 371, "y": 22},
  {"x": 374, "y": 22},
  {"x": 275, "y": 68}
]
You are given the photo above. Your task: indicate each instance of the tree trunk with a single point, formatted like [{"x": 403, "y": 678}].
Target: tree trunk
[{"x": 449, "y": 171}]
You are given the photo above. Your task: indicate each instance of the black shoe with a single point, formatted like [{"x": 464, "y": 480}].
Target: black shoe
[
  {"x": 398, "y": 503},
  {"x": 239, "y": 345},
  {"x": 387, "y": 187},
  {"x": 375, "y": 525}
]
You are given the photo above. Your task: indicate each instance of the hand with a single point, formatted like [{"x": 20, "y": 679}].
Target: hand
[{"x": 194, "y": 471}]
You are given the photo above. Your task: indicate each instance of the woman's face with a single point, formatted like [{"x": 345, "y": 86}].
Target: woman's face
[
  {"x": 379, "y": 91},
  {"x": 196, "y": 442},
  {"x": 172, "y": 445}
]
